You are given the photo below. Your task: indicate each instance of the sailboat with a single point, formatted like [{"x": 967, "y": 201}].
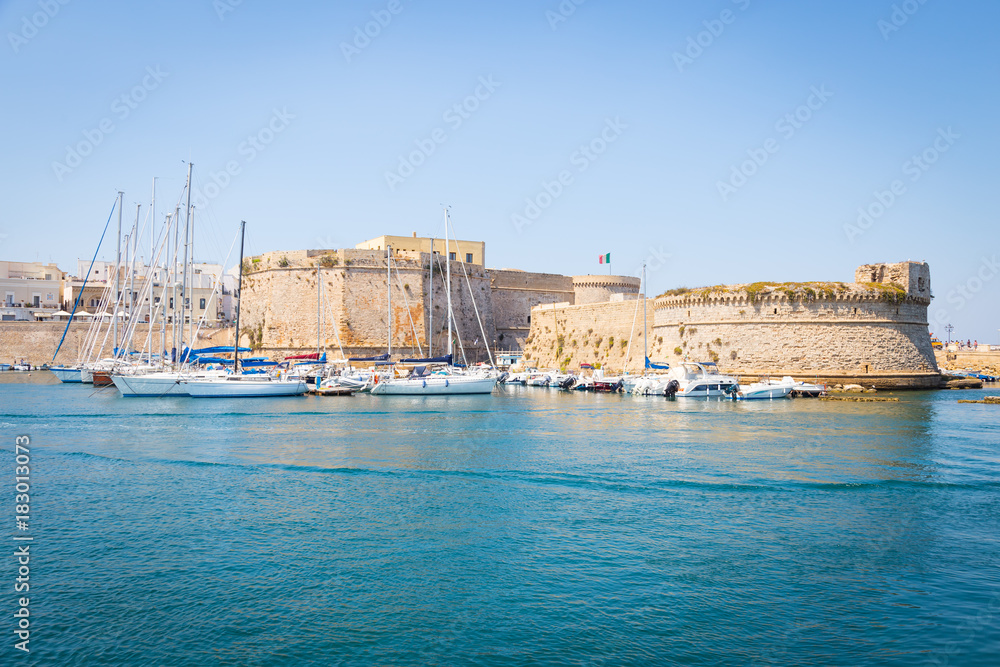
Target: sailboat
[
  {"x": 443, "y": 380},
  {"x": 240, "y": 385}
]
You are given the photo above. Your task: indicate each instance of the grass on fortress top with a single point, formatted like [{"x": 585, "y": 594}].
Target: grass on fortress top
[{"x": 891, "y": 292}]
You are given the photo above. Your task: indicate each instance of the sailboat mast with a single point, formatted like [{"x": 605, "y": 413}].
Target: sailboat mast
[
  {"x": 239, "y": 297},
  {"x": 388, "y": 294},
  {"x": 173, "y": 282},
  {"x": 645, "y": 348},
  {"x": 152, "y": 224},
  {"x": 187, "y": 240},
  {"x": 447, "y": 264},
  {"x": 118, "y": 261},
  {"x": 135, "y": 258},
  {"x": 430, "y": 306},
  {"x": 319, "y": 300},
  {"x": 191, "y": 318}
]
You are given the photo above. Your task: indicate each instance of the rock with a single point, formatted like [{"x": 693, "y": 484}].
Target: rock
[{"x": 854, "y": 388}]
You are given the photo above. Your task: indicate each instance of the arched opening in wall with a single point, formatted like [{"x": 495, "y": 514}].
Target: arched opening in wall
[
  {"x": 881, "y": 274},
  {"x": 775, "y": 311},
  {"x": 874, "y": 276},
  {"x": 920, "y": 284},
  {"x": 529, "y": 320},
  {"x": 866, "y": 368},
  {"x": 855, "y": 311},
  {"x": 689, "y": 313}
]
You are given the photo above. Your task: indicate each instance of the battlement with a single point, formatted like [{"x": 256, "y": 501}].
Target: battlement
[{"x": 598, "y": 289}]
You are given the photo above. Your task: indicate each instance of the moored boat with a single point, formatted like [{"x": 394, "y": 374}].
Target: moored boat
[
  {"x": 68, "y": 375},
  {"x": 243, "y": 386}
]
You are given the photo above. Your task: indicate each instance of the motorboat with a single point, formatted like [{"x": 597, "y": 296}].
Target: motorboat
[
  {"x": 759, "y": 390},
  {"x": 798, "y": 388},
  {"x": 699, "y": 380}
]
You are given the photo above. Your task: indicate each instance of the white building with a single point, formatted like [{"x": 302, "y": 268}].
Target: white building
[
  {"x": 204, "y": 298},
  {"x": 30, "y": 290}
]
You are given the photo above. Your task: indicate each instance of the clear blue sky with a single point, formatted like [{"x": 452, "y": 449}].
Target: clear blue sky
[{"x": 667, "y": 121}]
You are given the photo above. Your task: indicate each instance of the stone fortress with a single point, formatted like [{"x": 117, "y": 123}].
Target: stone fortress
[
  {"x": 872, "y": 331},
  {"x": 342, "y": 295}
]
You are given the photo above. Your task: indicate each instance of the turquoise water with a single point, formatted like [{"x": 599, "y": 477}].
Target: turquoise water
[{"x": 530, "y": 527}]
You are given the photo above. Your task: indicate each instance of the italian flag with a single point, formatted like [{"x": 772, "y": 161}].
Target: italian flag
[{"x": 604, "y": 259}]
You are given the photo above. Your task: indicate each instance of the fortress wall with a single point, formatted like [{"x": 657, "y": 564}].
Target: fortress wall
[
  {"x": 856, "y": 333},
  {"x": 874, "y": 332},
  {"x": 466, "y": 326},
  {"x": 589, "y": 333},
  {"x": 280, "y": 304},
  {"x": 515, "y": 293},
  {"x": 678, "y": 310},
  {"x": 37, "y": 341}
]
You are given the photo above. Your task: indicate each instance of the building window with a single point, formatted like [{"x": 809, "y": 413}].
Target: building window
[
  {"x": 156, "y": 300},
  {"x": 920, "y": 284},
  {"x": 201, "y": 304},
  {"x": 468, "y": 258},
  {"x": 451, "y": 256},
  {"x": 171, "y": 303},
  {"x": 36, "y": 301}
]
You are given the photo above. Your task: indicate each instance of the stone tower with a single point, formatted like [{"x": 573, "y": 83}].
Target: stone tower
[{"x": 914, "y": 277}]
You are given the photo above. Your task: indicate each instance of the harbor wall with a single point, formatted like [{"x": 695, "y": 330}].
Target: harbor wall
[
  {"x": 565, "y": 336},
  {"x": 36, "y": 342}
]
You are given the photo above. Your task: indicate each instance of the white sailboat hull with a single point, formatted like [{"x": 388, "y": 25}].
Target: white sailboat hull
[
  {"x": 435, "y": 386},
  {"x": 68, "y": 375},
  {"x": 153, "y": 384},
  {"x": 237, "y": 386}
]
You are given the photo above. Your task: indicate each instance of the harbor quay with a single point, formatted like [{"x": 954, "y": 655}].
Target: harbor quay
[{"x": 389, "y": 294}]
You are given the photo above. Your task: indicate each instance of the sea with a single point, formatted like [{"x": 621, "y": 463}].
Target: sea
[{"x": 530, "y": 527}]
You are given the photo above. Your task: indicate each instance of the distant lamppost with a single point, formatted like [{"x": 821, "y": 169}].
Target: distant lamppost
[{"x": 949, "y": 329}]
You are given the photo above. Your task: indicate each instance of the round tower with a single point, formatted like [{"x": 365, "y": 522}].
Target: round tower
[{"x": 598, "y": 289}]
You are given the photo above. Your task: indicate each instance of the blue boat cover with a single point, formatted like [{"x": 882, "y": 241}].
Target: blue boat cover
[{"x": 446, "y": 359}]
